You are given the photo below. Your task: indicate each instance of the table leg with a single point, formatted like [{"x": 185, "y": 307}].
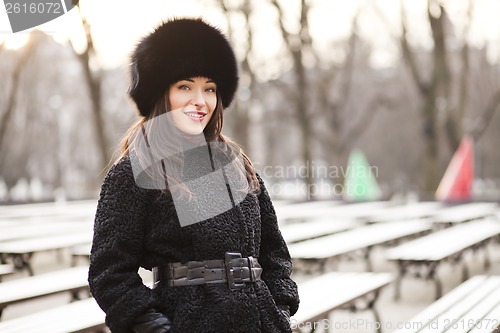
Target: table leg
[
  {"x": 374, "y": 310},
  {"x": 322, "y": 265},
  {"x": 465, "y": 271},
  {"x": 487, "y": 261},
  {"x": 369, "y": 266},
  {"x": 437, "y": 282},
  {"x": 399, "y": 278},
  {"x": 22, "y": 261}
]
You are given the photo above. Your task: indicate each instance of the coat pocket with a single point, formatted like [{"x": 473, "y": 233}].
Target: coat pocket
[
  {"x": 213, "y": 308},
  {"x": 272, "y": 319}
]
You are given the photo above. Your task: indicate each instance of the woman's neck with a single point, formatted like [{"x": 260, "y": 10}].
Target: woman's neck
[{"x": 195, "y": 139}]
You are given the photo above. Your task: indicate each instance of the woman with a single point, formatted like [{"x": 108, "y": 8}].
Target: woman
[{"x": 185, "y": 202}]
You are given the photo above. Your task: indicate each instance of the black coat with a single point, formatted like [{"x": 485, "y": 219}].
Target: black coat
[{"x": 137, "y": 227}]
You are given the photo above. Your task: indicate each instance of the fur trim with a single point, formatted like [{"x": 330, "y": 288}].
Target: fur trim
[{"x": 176, "y": 50}]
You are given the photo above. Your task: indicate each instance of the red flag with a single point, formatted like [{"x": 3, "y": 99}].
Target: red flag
[{"x": 456, "y": 184}]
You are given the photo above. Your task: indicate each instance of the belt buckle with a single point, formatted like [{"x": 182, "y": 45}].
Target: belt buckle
[
  {"x": 228, "y": 256},
  {"x": 251, "y": 268}
]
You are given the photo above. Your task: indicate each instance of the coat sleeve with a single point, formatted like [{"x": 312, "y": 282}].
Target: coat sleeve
[
  {"x": 117, "y": 249},
  {"x": 274, "y": 256}
]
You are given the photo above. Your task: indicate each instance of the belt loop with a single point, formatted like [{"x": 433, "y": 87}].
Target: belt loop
[
  {"x": 251, "y": 269},
  {"x": 170, "y": 275},
  {"x": 156, "y": 276},
  {"x": 228, "y": 256}
]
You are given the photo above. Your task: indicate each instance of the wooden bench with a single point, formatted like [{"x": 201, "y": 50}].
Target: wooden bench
[
  {"x": 69, "y": 280},
  {"x": 22, "y": 250},
  {"x": 6, "y": 269},
  {"x": 463, "y": 213},
  {"x": 358, "y": 210},
  {"x": 418, "y": 210},
  {"x": 49, "y": 209},
  {"x": 79, "y": 316},
  {"x": 361, "y": 239},
  {"x": 421, "y": 257},
  {"x": 321, "y": 295},
  {"x": 320, "y": 209},
  {"x": 80, "y": 251},
  {"x": 32, "y": 230},
  {"x": 296, "y": 232},
  {"x": 472, "y": 307},
  {"x": 308, "y": 209}
]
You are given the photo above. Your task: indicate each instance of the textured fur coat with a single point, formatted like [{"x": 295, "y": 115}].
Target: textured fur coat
[{"x": 137, "y": 227}]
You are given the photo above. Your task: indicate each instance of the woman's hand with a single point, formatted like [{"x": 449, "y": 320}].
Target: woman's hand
[
  {"x": 285, "y": 311},
  {"x": 152, "y": 322}
]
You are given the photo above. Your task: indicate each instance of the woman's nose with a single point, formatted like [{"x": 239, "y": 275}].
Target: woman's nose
[{"x": 198, "y": 99}]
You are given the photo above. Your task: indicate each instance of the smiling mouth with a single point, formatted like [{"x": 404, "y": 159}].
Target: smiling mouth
[{"x": 196, "y": 116}]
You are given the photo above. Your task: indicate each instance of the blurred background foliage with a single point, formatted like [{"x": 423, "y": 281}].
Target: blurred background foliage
[{"x": 305, "y": 107}]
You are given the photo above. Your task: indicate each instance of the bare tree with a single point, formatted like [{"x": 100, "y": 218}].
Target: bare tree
[
  {"x": 26, "y": 53},
  {"x": 310, "y": 95},
  {"x": 333, "y": 107},
  {"x": 492, "y": 104},
  {"x": 454, "y": 116},
  {"x": 487, "y": 89},
  {"x": 29, "y": 147},
  {"x": 94, "y": 82},
  {"x": 240, "y": 120},
  {"x": 297, "y": 45},
  {"x": 436, "y": 93},
  {"x": 432, "y": 92}
]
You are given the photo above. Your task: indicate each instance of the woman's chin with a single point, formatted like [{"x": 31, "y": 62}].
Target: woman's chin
[{"x": 191, "y": 130}]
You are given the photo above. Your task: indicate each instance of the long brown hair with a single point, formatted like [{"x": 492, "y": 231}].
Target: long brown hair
[{"x": 212, "y": 133}]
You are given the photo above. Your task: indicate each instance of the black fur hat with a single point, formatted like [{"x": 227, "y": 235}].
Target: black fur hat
[{"x": 179, "y": 49}]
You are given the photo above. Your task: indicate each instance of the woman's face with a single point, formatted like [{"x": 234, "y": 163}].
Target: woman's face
[{"x": 193, "y": 102}]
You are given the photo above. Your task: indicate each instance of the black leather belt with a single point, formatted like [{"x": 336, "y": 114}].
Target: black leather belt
[{"x": 234, "y": 270}]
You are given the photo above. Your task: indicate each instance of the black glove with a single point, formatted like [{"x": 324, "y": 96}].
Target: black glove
[
  {"x": 151, "y": 322},
  {"x": 285, "y": 311}
]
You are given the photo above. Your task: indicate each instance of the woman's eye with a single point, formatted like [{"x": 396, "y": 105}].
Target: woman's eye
[
  {"x": 184, "y": 87},
  {"x": 211, "y": 89}
]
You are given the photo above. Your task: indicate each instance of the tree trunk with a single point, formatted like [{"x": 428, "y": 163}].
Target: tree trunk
[
  {"x": 430, "y": 156},
  {"x": 27, "y": 52},
  {"x": 302, "y": 40},
  {"x": 93, "y": 82}
]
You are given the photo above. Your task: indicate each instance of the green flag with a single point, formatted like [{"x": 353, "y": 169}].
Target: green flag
[{"x": 360, "y": 183}]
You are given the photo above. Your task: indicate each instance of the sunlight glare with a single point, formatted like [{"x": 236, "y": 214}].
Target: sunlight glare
[{"x": 14, "y": 42}]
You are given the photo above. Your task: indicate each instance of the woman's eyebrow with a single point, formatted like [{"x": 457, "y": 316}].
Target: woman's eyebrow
[{"x": 191, "y": 80}]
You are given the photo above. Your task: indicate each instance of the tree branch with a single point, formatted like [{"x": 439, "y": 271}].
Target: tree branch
[
  {"x": 409, "y": 57},
  {"x": 93, "y": 81},
  {"x": 26, "y": 52},
  {"x": 345, "y": 88},
  {"x": 464, "y": 55},
  {"x": 485, "y": 119},
  {"x": 287, "y": 39},
  {"x": 365, "y": 120}
]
